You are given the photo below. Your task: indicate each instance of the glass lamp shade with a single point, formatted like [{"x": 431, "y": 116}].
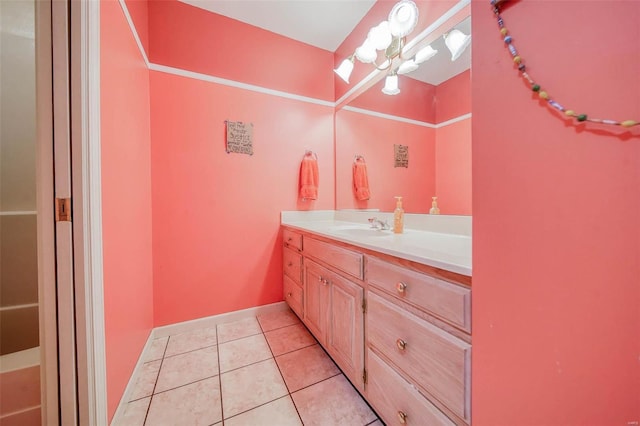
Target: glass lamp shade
[
  {"x": 367, "y": 52},
  {"x": 407, "y": 67},
  {"x": 457, "y": 42},
  {"x": 425, "y": 54},
  {"x": 391, "y": 85},
  {"x": 345, "y": 69},
  {"x": 403, "y": 18},
  {"x": 380, "y": 36}
]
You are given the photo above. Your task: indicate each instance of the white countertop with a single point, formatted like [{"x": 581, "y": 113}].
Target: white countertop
[{"x": 448, "y": 251}]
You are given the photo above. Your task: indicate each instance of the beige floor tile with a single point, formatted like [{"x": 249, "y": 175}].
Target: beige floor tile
[
  {"x": 192, "y": 340},
  {"x": 134, "y": 413},
  {"x": 275, "y": 320},
  {"x": 186, "y": 368},
  {"x": 332, "y": 402},
  {"x": 251, "y": 386},
  {"x": 145, "y": 380},
  {"x": 290, "y": 338},
  {"x": 305, "y": 367},
  {"x": 156, "y": 349},
  {"x": 194, "y": 404},
  {"x": 241, "y": 352},
  {"x": 280, "y": 412},
  {"x": 238, "y": 329}
]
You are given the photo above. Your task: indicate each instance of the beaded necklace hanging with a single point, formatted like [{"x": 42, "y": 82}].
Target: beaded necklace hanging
[{"x": 496, "y": 6}]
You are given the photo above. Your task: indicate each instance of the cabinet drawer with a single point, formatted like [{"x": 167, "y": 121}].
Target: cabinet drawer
[
  {"x": 346, "y": 260},
  {"x": 292, "y": 264},
  {"x": 293, "y": 295},
  {"x": 434, "y": 359},
  {"x": 292, "y": 239},
  {"x": 396, "y": 400},
  {"x": 445, "y": 300}
]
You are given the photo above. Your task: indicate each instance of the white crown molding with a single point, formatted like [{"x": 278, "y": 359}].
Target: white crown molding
[{"x": 407, "y": 120}]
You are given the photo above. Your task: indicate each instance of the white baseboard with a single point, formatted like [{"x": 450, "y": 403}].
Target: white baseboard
[
  {"x": 186, "y": 326},
  {"x": 212, "y": 321}
]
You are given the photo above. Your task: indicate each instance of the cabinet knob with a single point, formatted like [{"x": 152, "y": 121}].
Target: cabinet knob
[
  {"x": 325, "y": 282},
  {"x": 290, "y": 263},
  {"x": 288, "y": 294},
  {"x": 401, "y": 344},
  {"x": 289, "y": 239},
  {"x": 401, "y": 287},
  {"x": 402, "y": 417},
  {"x": 320, "y": 278}
]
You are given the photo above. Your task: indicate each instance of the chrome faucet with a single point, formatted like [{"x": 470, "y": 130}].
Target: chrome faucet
[{"x": 378, "y": 224}]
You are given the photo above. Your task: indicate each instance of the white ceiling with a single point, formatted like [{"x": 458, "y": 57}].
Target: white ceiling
[
  {"x": 326, "y": 23},
  {"x": 321, "y": 23}
]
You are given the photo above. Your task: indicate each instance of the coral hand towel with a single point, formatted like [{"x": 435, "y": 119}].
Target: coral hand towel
[
  {"x": 360, "y": 180},
  {"x": 309, "y": 178}
]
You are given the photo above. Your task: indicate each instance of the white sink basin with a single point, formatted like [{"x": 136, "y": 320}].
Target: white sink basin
[{"x": 359, "y": 231}]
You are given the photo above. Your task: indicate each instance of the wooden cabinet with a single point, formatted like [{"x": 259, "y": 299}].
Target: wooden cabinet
[
  {"x": 333, "y": 312},
  {"x": 292, "y": 271},
  {"x": 400, "y": 331}
]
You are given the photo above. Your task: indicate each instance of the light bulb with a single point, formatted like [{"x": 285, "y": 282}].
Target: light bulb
[
  {"x": 391, "y": 85},
  {"x": 367, "y": 52},
  {"x": 345, "y": 69},
  {"x": 380, "y": 36},
  {"x": 425, "y": 54},
  {"x": 457, "y": 42}
]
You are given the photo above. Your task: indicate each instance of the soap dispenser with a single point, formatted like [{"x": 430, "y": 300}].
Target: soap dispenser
[
  {"x": 434, "y": 206},
  {"x": 398, "y": 217}
]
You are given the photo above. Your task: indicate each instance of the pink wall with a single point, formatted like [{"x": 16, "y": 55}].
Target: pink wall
[
  {"x": 216, "y": 216},
  {"x": 190, "y": 38},
  {"x": 453, "y": 97},
  {"x": 126, "y": 199},
  {"x": 453, "y": 168},
  {"x": 373, "y": 138},
  {"x": 556, "y": 241}
]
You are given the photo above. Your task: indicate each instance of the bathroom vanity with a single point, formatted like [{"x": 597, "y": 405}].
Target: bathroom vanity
[{"x": 393, "y": 311}]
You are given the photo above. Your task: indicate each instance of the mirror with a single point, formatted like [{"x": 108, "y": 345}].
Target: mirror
[{"x": 431, "y": 116}]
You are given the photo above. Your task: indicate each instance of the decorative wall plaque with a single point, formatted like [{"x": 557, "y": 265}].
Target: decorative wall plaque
[
  {"x": 401, "y": 155},
  {"x": 239, "y": 137}
]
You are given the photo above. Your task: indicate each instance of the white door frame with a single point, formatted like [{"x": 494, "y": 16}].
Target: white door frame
[
  {"x": 87, "y": 225},
  {"x": 71, "y": 304}
]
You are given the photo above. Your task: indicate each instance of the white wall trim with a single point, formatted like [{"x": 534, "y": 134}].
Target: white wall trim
[
  {"x": 127, "y": 15},
  {"x": 237, "y": 84},
  {"x": 186, "y": 326},
  {"x": 87, "y": 193},
  {"x": 212, "y": 321},
  {"x": 406, "y": 120},
  {"x": 453, "y": 120},
  {"x": 388, "y": 116}
]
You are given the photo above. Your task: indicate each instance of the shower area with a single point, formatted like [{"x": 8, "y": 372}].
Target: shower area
[{"x": 19, "y": 323}]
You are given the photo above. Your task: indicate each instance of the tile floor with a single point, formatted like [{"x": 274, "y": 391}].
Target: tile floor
[{"x": 267, "y": 371}]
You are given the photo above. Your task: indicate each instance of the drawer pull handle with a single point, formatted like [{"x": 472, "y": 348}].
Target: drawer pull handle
[
  {"x": 401, "y": 287},
  {"x": 401, "y": 344},
  {"x": 402, "y": 417}
]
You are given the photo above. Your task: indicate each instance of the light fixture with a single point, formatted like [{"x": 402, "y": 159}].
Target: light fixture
[
  {"x": 389, "y": 36},
  {"x": 407, "y": 66},
  {"x": 425, "y": 54},
  {"x": 391, "y": 84},
  {"x": 345, "y": 69},
  {"x": 456, "y": 42}
]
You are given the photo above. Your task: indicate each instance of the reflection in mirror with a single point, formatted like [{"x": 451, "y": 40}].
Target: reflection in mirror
[{"x": 432, "y": 116}]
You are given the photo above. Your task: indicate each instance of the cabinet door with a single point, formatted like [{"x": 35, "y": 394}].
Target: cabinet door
[
  {"x": 345, "y": 334},
  {"x": 316, "y": 299}
]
